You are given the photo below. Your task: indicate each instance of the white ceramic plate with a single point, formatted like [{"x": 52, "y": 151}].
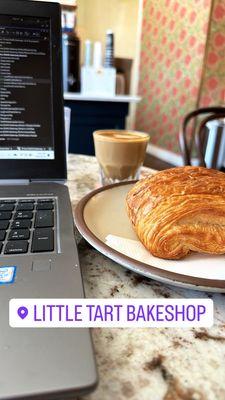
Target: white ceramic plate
[{"x": 102, "y": 213}]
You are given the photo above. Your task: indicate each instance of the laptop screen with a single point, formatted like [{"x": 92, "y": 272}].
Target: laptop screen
[{"x": 26, "y": 112}]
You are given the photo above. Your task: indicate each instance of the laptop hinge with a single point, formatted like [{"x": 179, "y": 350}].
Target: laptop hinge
[{"x": 14, "y": 182}]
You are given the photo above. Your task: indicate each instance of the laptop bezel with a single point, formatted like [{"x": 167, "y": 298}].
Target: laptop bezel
[{"x": 42, "y": 169}]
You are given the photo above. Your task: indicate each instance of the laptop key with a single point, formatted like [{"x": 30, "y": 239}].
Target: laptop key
[
  {"x": 6, "y": 207},
  {"x": 44, "y": 219},
  {"x": 45, "y": 201},
  {"x": 26, "y": 201},
  {"x": 16, "y": 247},
  {"x": 21, "y": 224},
  {"x": 1, "y": 244},
  {"x": 23, "y": 215},
  {"x": 45, "y": 206},
  {"x": 4, "y": 224},
  {"x": 2, "y": 235},
  {"x": 25, "y": 207},
  {"x": 19, "y": 234},
  {"x": 5, "y": 215},
  {"x": 43, "y": 240},
  {"x": 7, "y": 201}
]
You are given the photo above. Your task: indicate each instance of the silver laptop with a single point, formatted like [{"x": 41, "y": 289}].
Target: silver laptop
[{"x": 36, "y": 224}]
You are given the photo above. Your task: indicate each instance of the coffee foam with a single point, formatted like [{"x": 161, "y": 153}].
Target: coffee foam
[{"x": 121, "y": 137}]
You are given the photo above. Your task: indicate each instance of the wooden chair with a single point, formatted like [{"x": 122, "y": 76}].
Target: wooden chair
[{"x": 196, "y": 136}]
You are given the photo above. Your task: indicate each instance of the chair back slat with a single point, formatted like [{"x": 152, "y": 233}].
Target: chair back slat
[{"x": 197, "y": 134}]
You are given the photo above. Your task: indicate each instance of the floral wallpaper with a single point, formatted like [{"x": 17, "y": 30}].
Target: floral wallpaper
[
  {"x": 213, "y": 79},
  {"x": 173, "y": 46}
]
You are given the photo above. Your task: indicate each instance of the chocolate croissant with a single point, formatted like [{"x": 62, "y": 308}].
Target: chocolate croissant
[{"x": 179, "y": 210}]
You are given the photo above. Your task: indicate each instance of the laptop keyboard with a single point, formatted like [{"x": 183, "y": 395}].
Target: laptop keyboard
[{"x": 27, "y": 226}]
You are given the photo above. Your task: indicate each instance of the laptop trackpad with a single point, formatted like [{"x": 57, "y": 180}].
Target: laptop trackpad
[{"x": 41, "y": 265}]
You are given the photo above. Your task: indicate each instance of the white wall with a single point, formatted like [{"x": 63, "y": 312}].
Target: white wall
[{"x": 95, "y": 17}]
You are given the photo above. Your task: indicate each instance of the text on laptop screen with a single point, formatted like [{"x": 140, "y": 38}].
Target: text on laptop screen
[{"x": 26, "y": 114}]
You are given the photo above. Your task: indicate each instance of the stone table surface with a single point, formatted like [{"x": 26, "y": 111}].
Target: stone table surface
[{"x": 146, "y": 364}]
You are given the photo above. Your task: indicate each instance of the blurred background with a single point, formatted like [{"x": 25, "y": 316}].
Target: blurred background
[{"x": 141, "y": 64}]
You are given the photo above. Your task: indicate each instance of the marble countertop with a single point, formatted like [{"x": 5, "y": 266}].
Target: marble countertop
[{"x": 146, "y": 364}]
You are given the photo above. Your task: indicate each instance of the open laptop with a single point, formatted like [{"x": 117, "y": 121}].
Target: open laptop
[{"x": 36, "y": 224}]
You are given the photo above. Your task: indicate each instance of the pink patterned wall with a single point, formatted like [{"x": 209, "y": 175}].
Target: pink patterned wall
[
  {"x": 213, "y": 79},
  {"x": 174, "y": 36}
]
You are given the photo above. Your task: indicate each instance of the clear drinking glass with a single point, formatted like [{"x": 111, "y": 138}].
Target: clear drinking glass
[{"x": 120, "y": 154}]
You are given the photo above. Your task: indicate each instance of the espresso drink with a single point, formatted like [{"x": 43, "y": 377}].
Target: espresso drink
[{"x": 120, "y": 154}]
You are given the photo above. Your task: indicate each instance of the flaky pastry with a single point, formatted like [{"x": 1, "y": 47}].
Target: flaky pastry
[{"x": 179, "y": 210}]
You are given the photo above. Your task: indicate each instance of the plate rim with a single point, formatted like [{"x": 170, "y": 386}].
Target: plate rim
[{"x": 152, "y": 272}]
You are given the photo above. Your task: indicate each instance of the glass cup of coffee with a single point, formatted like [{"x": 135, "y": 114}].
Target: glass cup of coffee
[{"x": 120, "y": 154}]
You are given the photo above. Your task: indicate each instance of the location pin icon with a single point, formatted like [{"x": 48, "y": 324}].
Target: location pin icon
[{"x": 22, "y": 312}]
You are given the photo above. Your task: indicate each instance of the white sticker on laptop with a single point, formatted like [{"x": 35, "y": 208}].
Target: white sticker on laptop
[{"x": 7, "y": 274}]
